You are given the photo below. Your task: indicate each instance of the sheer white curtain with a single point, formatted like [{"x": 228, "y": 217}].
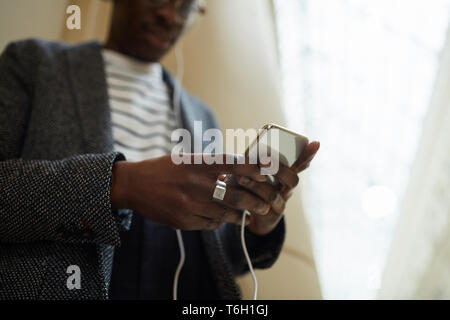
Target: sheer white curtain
[
  {"x": 419, "y": 259},
  {"x": 358, "y": 76}
]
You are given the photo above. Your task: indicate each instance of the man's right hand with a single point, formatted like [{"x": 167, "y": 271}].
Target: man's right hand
[{"x": 180, "y": 196}]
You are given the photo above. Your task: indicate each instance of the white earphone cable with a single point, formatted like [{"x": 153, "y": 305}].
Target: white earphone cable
[
  {"x": 247, "y": 257},
  {"x": 177, "y": 110},
  {"x": 180, "y": 264}
]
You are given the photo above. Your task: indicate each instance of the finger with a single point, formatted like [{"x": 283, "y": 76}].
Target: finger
[
  {"x": 307, "y": 155},
  {"x": 270, "y": 218},
  {"x": 264, "y": 190},
  {"x": 263, "y": 225},
  {"x": 303, "y": 167},
  {"x": 210, "y": 224},
  {"x": 309, "y": 151},
  {"x": 221, "y": 213},
  {"x": 287, "y": 177},
  {"x": 235, "y": 217},
  {"x": 235, "y": 164},
  {"x": 240, "y": 199},
  {"x": 287, "y": 194},
  {"x": 279, "y": 204},
  {"x": 222, "y": 177},
  {"x": 197, "y": 222}
]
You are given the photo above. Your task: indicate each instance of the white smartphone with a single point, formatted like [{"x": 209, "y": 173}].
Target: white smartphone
[{"x": 288, "y": 144}]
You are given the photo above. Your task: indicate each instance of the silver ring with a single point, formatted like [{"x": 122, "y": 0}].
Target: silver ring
[{"x": 220, "y": 190}]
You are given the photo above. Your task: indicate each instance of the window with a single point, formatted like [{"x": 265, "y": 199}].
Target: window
[{"x": 357, "y": 76}]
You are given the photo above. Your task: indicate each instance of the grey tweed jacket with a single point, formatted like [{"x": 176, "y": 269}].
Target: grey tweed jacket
[{"x": 56, "y": 158}]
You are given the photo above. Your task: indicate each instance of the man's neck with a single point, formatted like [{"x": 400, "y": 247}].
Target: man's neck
[{"x": 113, "y": 46}]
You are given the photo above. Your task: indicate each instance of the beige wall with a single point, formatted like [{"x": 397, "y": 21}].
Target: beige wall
[
  {"x": 94, "y": 23},
  {"x": 29, "y": 18},
  {"x": 230, "y": 63}
]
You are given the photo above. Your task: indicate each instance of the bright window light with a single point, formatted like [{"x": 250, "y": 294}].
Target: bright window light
[
  {"x": 358, "y": 76},
  {"x": 379, "y": 202}
]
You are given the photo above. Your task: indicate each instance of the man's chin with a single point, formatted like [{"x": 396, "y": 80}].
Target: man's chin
[
  {"x": 150, "y": 54},
  {"x": 146, "y": 56}
]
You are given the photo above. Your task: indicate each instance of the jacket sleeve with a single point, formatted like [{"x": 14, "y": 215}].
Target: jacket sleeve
[{"x": 62, "y": 200}]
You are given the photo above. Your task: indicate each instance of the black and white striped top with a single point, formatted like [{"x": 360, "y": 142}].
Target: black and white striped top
[{"x": 141, "y": 113}]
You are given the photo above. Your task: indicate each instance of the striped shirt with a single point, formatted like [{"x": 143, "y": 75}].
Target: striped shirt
[
  {"x": 142, "y": 122},
  {"x": 141, "y": 113}
]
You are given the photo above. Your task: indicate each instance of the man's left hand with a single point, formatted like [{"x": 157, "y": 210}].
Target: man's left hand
[{"x": 276, "y": 195}]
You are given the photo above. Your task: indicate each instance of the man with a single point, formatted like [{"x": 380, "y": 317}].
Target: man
[{"x": 70, "y": 116}]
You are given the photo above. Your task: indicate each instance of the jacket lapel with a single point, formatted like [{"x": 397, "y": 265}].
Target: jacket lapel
[
  {"x": 88, "y": 81},
  {"x": 189, "y": 112},
  {"x": 185, "y": 119}
]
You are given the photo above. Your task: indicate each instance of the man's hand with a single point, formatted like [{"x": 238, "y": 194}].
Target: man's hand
[
  {"x": 277, "y": 196},
  {"x": 181, "y": 195}
]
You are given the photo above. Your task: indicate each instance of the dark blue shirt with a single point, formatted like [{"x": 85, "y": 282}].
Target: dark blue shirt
[{"x": 144, "y": 266}]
